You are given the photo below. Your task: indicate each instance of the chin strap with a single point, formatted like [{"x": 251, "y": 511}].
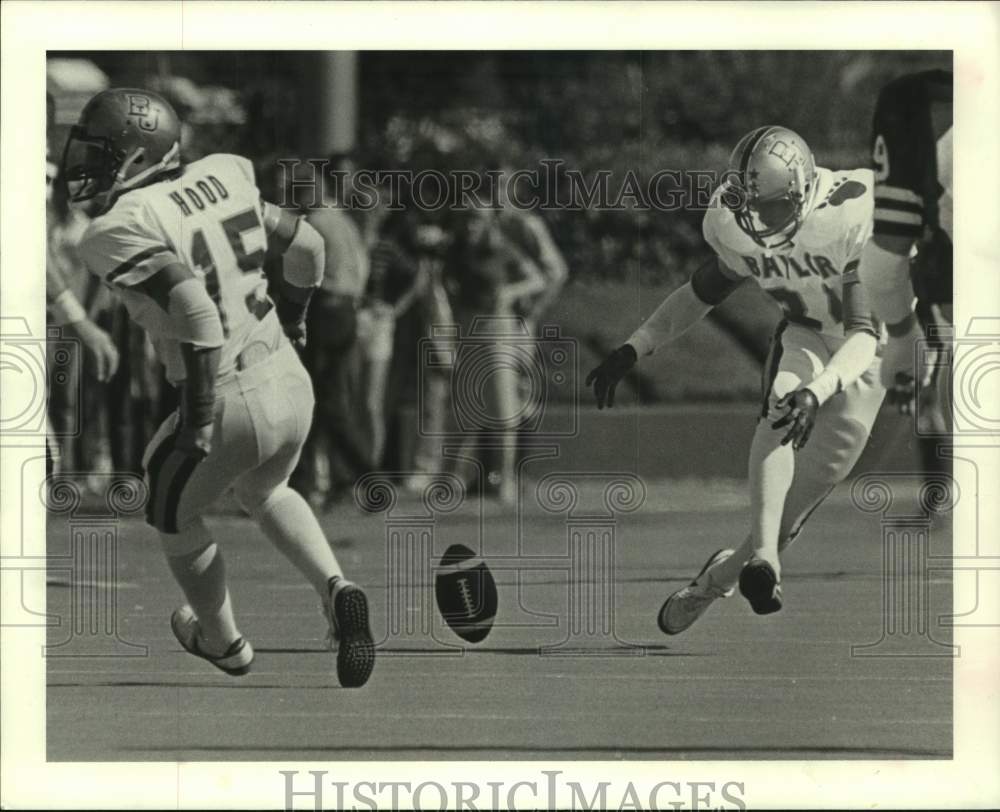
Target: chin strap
[
  {"x": 121, "y": 184},
  {"x": 171, "y": 160}
]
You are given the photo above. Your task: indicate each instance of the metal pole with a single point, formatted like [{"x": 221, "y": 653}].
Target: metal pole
[{"x": 338, "y": 86}]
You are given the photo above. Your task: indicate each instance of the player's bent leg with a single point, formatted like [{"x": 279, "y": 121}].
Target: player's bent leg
[
  {"x": 771, "y": 472},
  {"x": 803, "y": 501},
  {"x": 206, "y": 626},
  {"x": 837, "y": 442},
  {"x": 797, "y": 356},
  {"x": 284, "y": 406},
  {"x": 181, "y": 489},
  {"x": 689, "y": 603},
  {"x": 291, "y": 526}
]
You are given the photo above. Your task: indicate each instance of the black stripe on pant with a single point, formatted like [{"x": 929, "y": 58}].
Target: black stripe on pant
[
  {"x": 771, "y": 366},
  {"x": 174, "y": 491},
  {"x": 153, "y": 470}
]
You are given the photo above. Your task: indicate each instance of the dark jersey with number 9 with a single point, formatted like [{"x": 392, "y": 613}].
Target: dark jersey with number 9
[
  {"x": 911, "y": 154},
  {"x": 912, "y": 158}
]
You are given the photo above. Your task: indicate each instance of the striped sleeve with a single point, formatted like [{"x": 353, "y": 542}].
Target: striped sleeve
[
  {"x": 899, "y": 212},
  {"x": 858, "y": 314},
  {"x": 122, "y": 255},
  {"x": 857, "y": 311}
]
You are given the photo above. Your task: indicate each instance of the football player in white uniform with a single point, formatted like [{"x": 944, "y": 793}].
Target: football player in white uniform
[
  {"x": 184, "y": 245},
  {"x": 798, "y": 232}
]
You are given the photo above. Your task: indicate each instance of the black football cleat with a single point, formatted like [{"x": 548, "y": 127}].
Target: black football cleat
[
  {"x": 759, "y": 585},
  {"x": 351, "y": 635}
]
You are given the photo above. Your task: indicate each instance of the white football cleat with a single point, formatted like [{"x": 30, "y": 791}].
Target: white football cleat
[
  {"x": 237, "y": 658},
  {"x": 686, "y": 605}
]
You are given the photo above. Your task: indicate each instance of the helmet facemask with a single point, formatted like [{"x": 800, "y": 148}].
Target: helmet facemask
[
  {"x": 771, "y": 185},
  {"x": 763, "y": 219},
  {"x": 89, "y": 165},
  {"x": 94, "y": 169}
]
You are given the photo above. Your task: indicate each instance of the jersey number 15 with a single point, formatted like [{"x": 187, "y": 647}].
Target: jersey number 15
[{"x": 248, "y": 263}]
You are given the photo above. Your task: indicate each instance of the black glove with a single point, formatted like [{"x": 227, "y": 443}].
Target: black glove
[
  {"x": 801, "y": 406},
  {"x": 611, "y": 370},
  {"x": 903, "y": 394},
  {"x": 292, "y": 316}
]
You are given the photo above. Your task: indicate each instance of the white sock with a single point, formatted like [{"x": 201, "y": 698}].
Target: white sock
[
  {"x": 772, "y": 468},
  {"x": 202, "y": 577},
  {"x": 292, "y": 527},
  {"x": 725, "y": 575}
]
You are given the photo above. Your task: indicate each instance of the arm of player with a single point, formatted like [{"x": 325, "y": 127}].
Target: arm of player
[
  {"x": 848, "y": 364},
  {"x": 298, "y": 250},
  {"x": 885, "y": 274},
  {"x": 196, "y": 325},
  {"x": 710, "y": 284},
  {"x": 66, "y": 311},
  {"x": 856, "y": 354}
]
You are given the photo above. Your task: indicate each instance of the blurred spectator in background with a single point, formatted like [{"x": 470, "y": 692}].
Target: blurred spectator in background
[
  {"x": 528, "y": 234},
  {"x": 64, "y": 292},
  {"x": 139, "y": 396},
  {"x": 398, "y": 280},
  {"x": 412, "y": 258},
  {"x": 434, "y": 312},
  {"x": 78, "y": 396},
  {"x": 526, "y": 231},
  {"x": 489, "y": 276},
  {"x": 332, "y": 353}
]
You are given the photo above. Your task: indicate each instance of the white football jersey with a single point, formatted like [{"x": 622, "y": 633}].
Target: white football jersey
[
  {"x": 806, "y": 276},
  {"x": 210, "y": 219}
]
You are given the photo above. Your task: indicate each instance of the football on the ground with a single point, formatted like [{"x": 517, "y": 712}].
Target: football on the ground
[{"x": 466, "y": 593}]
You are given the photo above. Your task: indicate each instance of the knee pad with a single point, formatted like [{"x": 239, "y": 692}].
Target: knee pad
[{"x": 190, "y": 539}]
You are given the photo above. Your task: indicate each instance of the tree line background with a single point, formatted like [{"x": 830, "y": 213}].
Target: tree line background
[
  {"x": 606, "y": 110},
  {"x": 616, "y": 111}
]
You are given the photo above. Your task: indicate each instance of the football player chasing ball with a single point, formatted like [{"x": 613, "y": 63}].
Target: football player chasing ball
[
  {"x": 798, "y": 231},
  {"x": 184, "y": 245}
]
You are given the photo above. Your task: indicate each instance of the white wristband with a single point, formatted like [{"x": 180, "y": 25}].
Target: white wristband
[
  {"x": 825, "y": 385},
  {"x": 66, "y": 309}
]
